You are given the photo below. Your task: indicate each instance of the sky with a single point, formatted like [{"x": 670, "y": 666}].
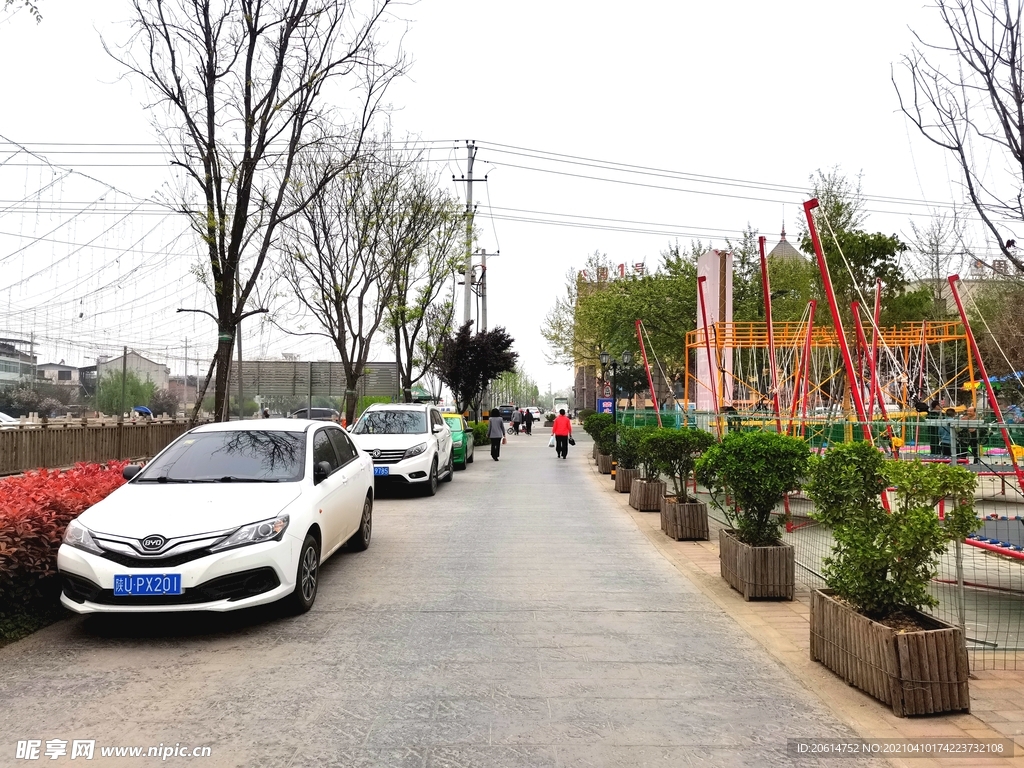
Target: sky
[{"x": 702, "y": 95}]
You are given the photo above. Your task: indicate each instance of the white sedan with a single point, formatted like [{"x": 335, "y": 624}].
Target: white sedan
[{"x": 228, "y": 516}]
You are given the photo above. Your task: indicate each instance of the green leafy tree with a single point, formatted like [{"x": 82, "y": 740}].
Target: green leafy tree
[
  {"x": 758, "y": 469},
  {"x": 136, "y": 392},
  {"x": 882, "y": 561},
  {"x": 469, "y": 362},
  {"x": 628, "y": 447}
]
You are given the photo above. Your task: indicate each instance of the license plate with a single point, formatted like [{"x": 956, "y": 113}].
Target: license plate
[
  {"x": 381, "y": 471},
  {"x": 137, "y": 585}
]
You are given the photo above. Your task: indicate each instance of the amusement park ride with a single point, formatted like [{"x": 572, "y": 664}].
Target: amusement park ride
[{"x": 896, "y": 387}]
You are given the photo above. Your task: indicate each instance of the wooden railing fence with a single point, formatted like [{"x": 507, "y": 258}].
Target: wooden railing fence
[{"x": 64, "y": 442}]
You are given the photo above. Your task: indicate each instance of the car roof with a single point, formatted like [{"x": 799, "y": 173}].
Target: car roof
[{"x": 255, "y": 425}]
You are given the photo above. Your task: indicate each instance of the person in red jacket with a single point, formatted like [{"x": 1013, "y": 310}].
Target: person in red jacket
[{"x": 562, "y": 430}]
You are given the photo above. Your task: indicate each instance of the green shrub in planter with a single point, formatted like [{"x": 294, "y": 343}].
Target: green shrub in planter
[
  {"x": 758, "y": 469},
  {"x": 674, "y": 452},
  {"x": 480, "y": 429},
  {"x": 627, "y": 451},
  {"x": 882, "y": 562},
  {"x": 595, "y": 425},
  {"x": 582, "y": 414}
]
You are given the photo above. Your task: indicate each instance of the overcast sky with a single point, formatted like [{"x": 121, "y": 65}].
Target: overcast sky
[{"x": 755, "y": 91}]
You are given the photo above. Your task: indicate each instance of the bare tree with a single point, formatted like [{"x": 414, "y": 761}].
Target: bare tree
[
  {"x": 423, "y": 240},
  {"x": 939, "y": 249},
  {"x": 339, "y": 263},
  {"x": 966, "y": 95},
  {"x": 240, "y": 97}
]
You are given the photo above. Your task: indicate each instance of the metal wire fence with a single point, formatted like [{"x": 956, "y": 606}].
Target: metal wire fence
[{"x": 980, "y": 581}]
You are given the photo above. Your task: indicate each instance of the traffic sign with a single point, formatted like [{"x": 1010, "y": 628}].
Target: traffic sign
[
  {"x": 607, "y": 390},
  {"x": 604, "y": 405}
]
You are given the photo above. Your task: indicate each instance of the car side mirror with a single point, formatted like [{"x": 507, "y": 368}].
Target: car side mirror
[
  {"x": 321, "y": 471},
  {"x": 438, "y": 428},
  {"x": 131, "y": 471}
]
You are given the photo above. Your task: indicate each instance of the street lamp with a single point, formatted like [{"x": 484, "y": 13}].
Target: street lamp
[{"x": 627, "y": 360}]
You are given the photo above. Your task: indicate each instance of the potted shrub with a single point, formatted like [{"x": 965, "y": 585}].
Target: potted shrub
[
  {"x": 605, "y": 440},
  {"x": 758, "y": 469},
  {"x": 627, "y": 455},
  {"x": 675, "y": 453},
  {"x": 593, "y": 425},
  {"x": 549, "y": 420},
  {"x": 647, "y": 491},
  {"x": 867, "y": 626}
]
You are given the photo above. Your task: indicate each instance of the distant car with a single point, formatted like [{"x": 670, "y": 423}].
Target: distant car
[
  {"x": 8, "y": 422},
  {"x": 506, "y": 412},
  {"x": 462, "y": 439},
  {"x": 228, "y": 516},
  {"x": 409, "y": 443},
  {"x": 318, "y": 414},
  {"x": 538, "y": 414}
]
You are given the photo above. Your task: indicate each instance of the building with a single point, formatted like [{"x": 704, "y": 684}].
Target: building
[
  {"x": 144, "y": 368},
  {"x": 58, "y": 373},
  {"x": 16, "y": 365},
  {"x": 784, "y": 251}
]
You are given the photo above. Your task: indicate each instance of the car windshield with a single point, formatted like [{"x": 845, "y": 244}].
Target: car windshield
[
  {"x": 391, "y": 423},
  {"x": 7, "y": 419},
  {"x": 241, "y": 456},
  {"x": 454, "y": 422}
]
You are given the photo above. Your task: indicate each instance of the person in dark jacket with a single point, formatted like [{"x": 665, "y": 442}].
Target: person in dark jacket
[
  {"x": 496, "y": 432},
  {"x": 528, "y": 421},
  {"x": 517, "y": 419}
]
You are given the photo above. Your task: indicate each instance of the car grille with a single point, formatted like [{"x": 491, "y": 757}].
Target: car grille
[
  {"x": 234, "y": 586},
  {"x": 388, "y": 457},
  {"x": 155, "y": 562}
]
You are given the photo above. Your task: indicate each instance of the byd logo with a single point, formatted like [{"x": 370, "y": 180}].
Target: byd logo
[{"x": 153, "y": 542}]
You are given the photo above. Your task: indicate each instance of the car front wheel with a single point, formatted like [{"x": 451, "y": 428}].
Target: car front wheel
[
  {"x": 430, "y": 487},
  {"x": 451, "y": 466},
  {"x": 306, "y": 577},
  {"x": 361, "y": 540}
]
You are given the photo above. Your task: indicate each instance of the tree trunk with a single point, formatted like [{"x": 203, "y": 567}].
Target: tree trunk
[
  {"x": 223, "y": 360},
  {"x": 351, "y": 398}
]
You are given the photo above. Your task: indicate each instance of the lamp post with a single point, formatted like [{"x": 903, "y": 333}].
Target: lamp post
[{"x": 627, "y": 360}]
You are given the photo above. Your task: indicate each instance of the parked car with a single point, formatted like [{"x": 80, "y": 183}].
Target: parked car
[
  {"x": 506, "y": 412},
  {"x": 409, "y": 443},
  {"x": 318, "y": 414},
  {"x": 227, "y": 516},
  {"x": 538, "y": 414},
  {"x": 8, "y": 422},
  {"x": 462, "y": 439}
]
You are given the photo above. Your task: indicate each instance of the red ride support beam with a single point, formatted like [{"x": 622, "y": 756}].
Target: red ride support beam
[
  {"x": 953, "y": 280},
  {"x": 805, "y": 365},
  {"x": 766, "y": 288},
  {"x": 647, "y": 367},
  {"x": 837, "y": 321},
  {"x": 712, "y": 368},
  {"x": 875, "y": 333},
  {"x": 862, "y": 340}
]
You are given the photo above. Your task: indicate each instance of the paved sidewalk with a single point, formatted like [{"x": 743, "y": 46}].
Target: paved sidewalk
[
  {"x": 518, "y": 618},
  {"x": 783, "y": 628}
]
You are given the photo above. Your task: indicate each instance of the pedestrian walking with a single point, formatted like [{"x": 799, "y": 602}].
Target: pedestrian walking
[
  {"x": 528, "y": 421},
  {"x": 496, "y": 432},
  {"x": 562, "y": 430},
  {"x": 517, "y": 420}
]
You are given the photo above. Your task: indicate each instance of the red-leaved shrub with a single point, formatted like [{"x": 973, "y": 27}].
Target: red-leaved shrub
[{"x": 35, "y": 508}]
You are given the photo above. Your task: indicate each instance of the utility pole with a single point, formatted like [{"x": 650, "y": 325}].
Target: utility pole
[
  {"x": 184, "y": 397},
  {"x": 32, "y": 357},
  {"x": 467, "y": 301}
]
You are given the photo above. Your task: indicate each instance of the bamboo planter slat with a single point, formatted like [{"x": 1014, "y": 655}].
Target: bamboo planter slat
[
  {"x": 757, "y": 572},
  {"x": 684, "y": 522},
  {"x": 646, "y": 495},
  {"x": 604, "y": 463},
  {"x": 624, "y": 479},
  {"x": 916, "y": 673}
]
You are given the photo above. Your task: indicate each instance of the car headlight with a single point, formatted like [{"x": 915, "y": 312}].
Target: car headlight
[
  {"x": 77, "y": 535},
  {"x": 254, "y": 533},
  {"x": 416, "y": 450},
  {"x": 456, "y": 442}
]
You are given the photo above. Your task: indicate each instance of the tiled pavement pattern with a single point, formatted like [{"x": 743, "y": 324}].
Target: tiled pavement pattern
[{"x": 518, "y": 618}]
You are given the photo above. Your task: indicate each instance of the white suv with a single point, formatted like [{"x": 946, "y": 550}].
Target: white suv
[{"x": 409, "y": 443}]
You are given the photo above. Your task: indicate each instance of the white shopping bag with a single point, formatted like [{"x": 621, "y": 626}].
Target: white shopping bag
[{"x": 551, "y": 442}]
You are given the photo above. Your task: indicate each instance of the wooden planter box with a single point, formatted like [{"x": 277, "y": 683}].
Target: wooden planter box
[
  {"x": 757, "y": 571},
  {"x": 604, "y": 463},
  {"x": 916, "y": 673},
  {"x": 646, "y": 495},
  {"x": 687, "y": 521},
  {"x": 624, "y": 479},
  {"x": 595, "y": 453}
]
